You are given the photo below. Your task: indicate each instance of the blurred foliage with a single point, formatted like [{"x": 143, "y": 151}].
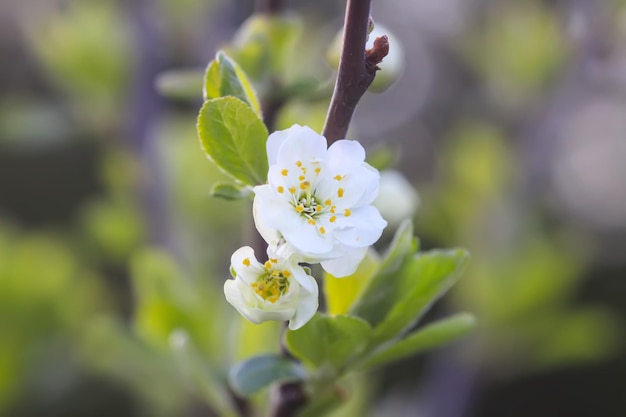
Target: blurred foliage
[
  {"x": 522, "y": 279},
  {"x": 94, "y": 296},
  {"x": 37, "y": 271},
  {"x": 86, "y": 51}
]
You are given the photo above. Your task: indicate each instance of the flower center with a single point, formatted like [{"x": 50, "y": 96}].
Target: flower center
[
  {"x": 305, "y": 202},
  {"x": 273, "y": 285}
]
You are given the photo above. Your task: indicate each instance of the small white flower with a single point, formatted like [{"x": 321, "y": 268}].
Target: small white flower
[
  {"x": 317, "y": 201},
  {"x": 278, "y": 290},
  {"x": 397, "y": 199}
]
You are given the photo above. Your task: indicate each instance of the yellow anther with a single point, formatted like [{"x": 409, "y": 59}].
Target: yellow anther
[
  {"x": 332, "y": 219},
  {"x": 340, "y": 192},
  {"x": 333, "y": 209},
  {"x": 328, "y": 202},
  {"x": 299, "y": 208},
  {"x": 304, "y": 185},
  {"x": 311, "y": 221},
  {"x": 246, "y": 262},
  {"x": 273, "y": 260},
  {"x": 268, "y": 264},
  {"x": 292, "y": 190},
  {"x": 284, "y": 172},
  {"x": 286, "y": 273},
  {"x": 303, "y": 170},
  {"x": 318, "y": 208},
  {"x": 280, "y": 189},
  {"x": 318, "y": 170},
  {"x": 301, "y": 177},
  {"x": 338, "y": 177},
  {"x": 298, "y": 164},
  {"x": 347, "y": 213},
  {"x": 322, "y": 230}
]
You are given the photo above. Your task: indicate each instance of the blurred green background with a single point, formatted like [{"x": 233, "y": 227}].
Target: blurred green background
[{"x": 508, "y": 117}]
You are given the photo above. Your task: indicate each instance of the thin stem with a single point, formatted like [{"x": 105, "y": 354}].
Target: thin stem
[{"x": 357, "y": 69}]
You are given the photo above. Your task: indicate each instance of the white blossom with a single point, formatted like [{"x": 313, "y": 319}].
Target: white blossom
[
  {"x": 317, "y": 202},
  {"x": 278, "y": 290},
  {"x": 397, "y": 199}
]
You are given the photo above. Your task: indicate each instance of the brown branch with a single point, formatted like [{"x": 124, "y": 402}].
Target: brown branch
[
  {"x": 357, "y": 69},
  {"x": 271, "y": 6}
]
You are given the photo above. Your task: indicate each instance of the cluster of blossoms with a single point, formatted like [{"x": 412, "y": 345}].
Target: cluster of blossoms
[{"x": 315, "y": 208}]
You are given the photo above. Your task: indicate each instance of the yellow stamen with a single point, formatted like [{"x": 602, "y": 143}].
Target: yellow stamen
[
  {"x": 268, "y": 264},
  {"x": 284, "y": 172},
  {"x": 274, "y": 261},
  {"x": 328, "y": 202},
  {"x": 332, "y": 219},
  {"x": 318, "y": 170},
  {"x": 340, "y": 192},
  {"x": 286, "y": 273},
  {"x": 298, "y": 164},
  {"x": 292, "y": 190},
  {"x": 347, "y": 213},
  {"x": 318, "y": 208},
  {"x": 333, "y": 209},
  {"x": 301, "y": 177},
  {"x": 338, "y": 177},
  {"x": 246, "y": 262},
  {"x": 311, "y": 221},
  {"x": 304, "y": 185},
  {"x": 280, "y": 189},
  {"x": 299, "y": 208},
  {"x": 322, "y": 230}
]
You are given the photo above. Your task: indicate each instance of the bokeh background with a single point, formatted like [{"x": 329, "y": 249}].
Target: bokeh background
[{"x": 508, "y": 118}]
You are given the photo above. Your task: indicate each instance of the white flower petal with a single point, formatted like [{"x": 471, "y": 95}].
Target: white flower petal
[
  {"x": 275, "y": 141},
  {"x": 245, "y": 264},
  {"x": 306, "y": 309},
  {"x": 345, "y": 155},
  {"x": 303, "y": 144},
  {"x": 304, "y": 237},
  {"x": 367, "y": 227},
  {"x": 347, "y": 264},
  {"x": 307, "y": 282}
]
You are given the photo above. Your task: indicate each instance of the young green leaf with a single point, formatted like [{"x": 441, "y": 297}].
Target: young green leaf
[
  {"x": 251, "y": 375},
  {"x": 329, "y": 340},
  {"x": 434, "y": 335},
  {"x": 223, "y": 77},
  {"x": 234, "y": 137},
  {"x": 384, "y": 290},
  {"x": 229, "y": 191},
  {"x": 426, "y": 277}
]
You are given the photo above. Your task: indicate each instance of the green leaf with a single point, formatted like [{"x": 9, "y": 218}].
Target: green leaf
[
  {"x": 431, "y": 336},
  {"x": 180, "y": 84},
  {"x": 251, "y": 375},
  {"x": 229, "y": 191},
  {"x": 426, "y": 277},
  {"x": 234, "y": 137},
  {"x": 329, "y": 340},
  {"x": 385, "y": 289},
  {"x": 223, "y": 77}
]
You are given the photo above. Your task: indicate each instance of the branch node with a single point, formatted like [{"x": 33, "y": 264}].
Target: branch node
[{"x": 375, "y": 55}]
